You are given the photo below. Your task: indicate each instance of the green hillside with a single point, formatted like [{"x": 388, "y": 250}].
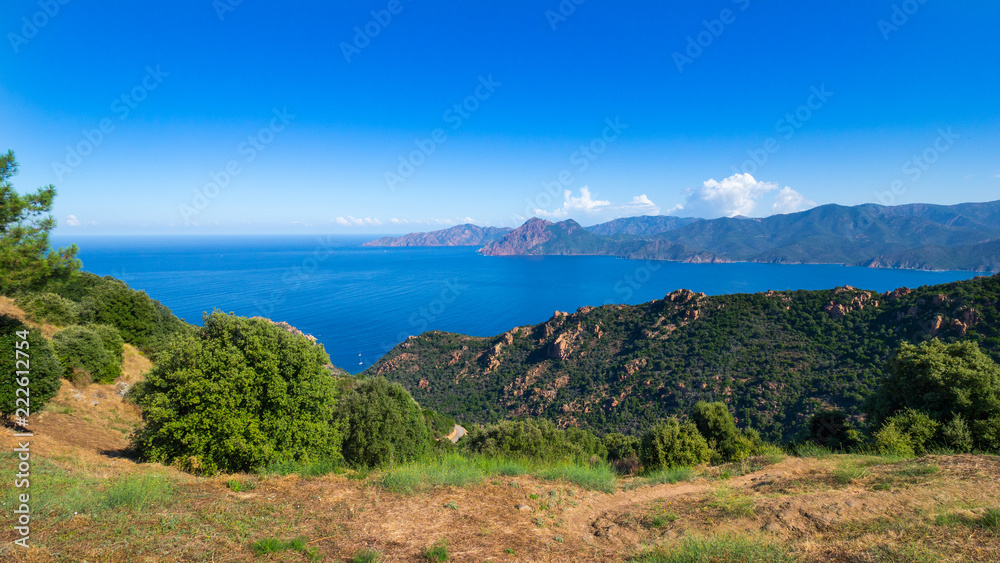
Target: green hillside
[{"x": 773, "y": 357}]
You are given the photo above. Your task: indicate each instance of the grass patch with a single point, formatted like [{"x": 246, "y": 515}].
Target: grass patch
[
  {"x": 812, "y": 450},
  {"x": 718, "y": 549},
  {"x": 733, "y": 505},
  {"x": 847, "y": 474},
  {"x": 274, "y": 545},
  {"x": 238, "y": 486},
  {"x": 596, "y": 478},
  {"x": 669, "y": 476},
  {"x": 137, "y": 492},
  {"x": 367, "y": 556},
  {"x": 988, "y": 520},
  {"x": 917, "y": 470},
  {"x": 447, "y": 471},
  {"x": 437, "y": 552}
]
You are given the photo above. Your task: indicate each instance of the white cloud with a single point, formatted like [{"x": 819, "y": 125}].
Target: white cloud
[
  {"x": 584, "y": 203},
  {"x": 72, "y": 221},
  {"x": 357, "y": 222},
  {"x": 641, "y": 205},
  {"x": 738, "y": 195}
]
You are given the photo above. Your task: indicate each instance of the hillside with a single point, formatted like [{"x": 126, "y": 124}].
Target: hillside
[
  {"x": 917, "y": 236},
  {"x": 774, "y": 357},
  {"x": 461, "y": 235}
]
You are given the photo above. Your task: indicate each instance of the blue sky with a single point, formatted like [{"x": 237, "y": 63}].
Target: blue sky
[{"x": 252, "y": 117}]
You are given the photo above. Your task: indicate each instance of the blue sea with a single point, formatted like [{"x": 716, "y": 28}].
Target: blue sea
[{"x": 360, "y": 302}]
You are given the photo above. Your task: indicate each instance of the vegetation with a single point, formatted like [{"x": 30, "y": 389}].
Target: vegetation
[
  {"x": 47, "y": 307},
  {"x": 45, "y": 372},
  {"x": 382, "y": 424},
  {"x": 240, "y": 395},
  {"x": 534, "y": 439},
  {"x": 26, "y": 260},
  {"x": 673, "y": 444},
  {"x": 142, "y": 322},
  {"x": 85, "y": 357},
  {"x": 774, "y": 358}
]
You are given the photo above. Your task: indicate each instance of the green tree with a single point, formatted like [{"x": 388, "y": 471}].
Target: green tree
[
  {"x": 26, "y": 260},
  {"x": 239, "y": 395},
  {"x": 84, "y": 357},
  {"x": 141, "y": 321},
  {"x": 718, "y": 426},
  {"x": 673, "y": 444},
  {"x": 920, "y": 428},
  {"x": 44, "y": 375},
  {"x": 383, "y": 424},
  {"x": 941, "y": 380}
]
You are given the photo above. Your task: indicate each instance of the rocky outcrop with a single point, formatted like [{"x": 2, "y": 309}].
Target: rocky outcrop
[{"x": 521, "y": 240}]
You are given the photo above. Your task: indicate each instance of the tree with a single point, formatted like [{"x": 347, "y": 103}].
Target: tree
[
  {"x": 718, "y": 426},
  {"x": 673, "y": 444},
  {"x": 383, "y": 424},
  {"x": 26, "y": 260},
  {"x": 239, "y": 395},
  {"x": 44, "y": 375},
  {"x": 85, "y": 357}
]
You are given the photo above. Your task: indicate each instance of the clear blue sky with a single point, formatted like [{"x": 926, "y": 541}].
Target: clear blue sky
[{"x": 885, "y": 86}]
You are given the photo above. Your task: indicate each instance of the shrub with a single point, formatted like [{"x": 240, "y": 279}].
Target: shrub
[
  {"x": 142, "y": 322},
  {"x": 832, "y": 429},
  {"x": 890, "y": 440},
  {"x": 112, "y": 341},
  {"x": 44, "y": 370},
  {"x": 957, "y": 435},
  {"x": 535, "y": 439},
  {"x": 240, "y": 395},
  {"x": 383, "y": 424},
  {"x": 83, "y": 356},
  {"x": 717, "y": 426},
  {"x": 941, "y": 380},
  {"x": 987, "y": 434},
  {"x": 673, "y": 444},
  {"x": 918, "y": 426},
  {"x": 48, "y": 308},
  {"x": 621, "y": 447}
]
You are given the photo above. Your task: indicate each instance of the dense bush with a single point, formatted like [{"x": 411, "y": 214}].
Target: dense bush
[
  {"x": 890, "y": 440},
  {"x": 48, "y": 307},
  {"x": 142, "y": 322},
  {"x": 44, "y": 371},
  {"x": 919, "y": 428},
  {"x": 112, "y": 340},
  {"x": 957, "y": 435},
  {"x": 942, "y": 380},
  {"x": 535, "y": 439},
  {"x": 84, "y": 357},
  {"x": 620, "y": 446},
  {"x": 382, "y": 424},
  {"x": 717, "y": 425},
  {"x": 832, "y": 429},
  {"x": 238, "y": 396},
  {"x": 673, "y": 444}
]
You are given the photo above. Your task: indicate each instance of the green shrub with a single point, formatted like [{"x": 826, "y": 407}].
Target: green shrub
[
  {"x": 48, "y": 307},
  {"x": 918, "y": 426},
  {"x": 717, "y": 426},
  {"x": 535, "y": 439},
  {"x": 383, "y": 424},
  {"x": 941, "y": 380},
  {"x": 142, "y": 322},
  {"x": 987, "y": 434},
  {"x": 673, "y": 444},
  {"x": 84, "y": 358},
  {"x": 112, "y": 340},
  {"x": 957, "y": 435},
  {"x": 890, "y": 440},
  {"x": 621, "y": 447},
  {"x": 832, "y": 429},
  {"x": 242, "y": 394},
  {"x": 44, "y": 371}
]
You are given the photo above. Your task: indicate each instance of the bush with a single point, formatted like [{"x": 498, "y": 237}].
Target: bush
[
  {"x": 83, "y": 356},
  {"x": 239, "y": 396},
  {"x": 44, "y": 370},
  {"x": 941, "y": 380},
  {"x": 717, "y": 426},
  {"x": 112, "y": 341},
  {"x": 621, "y": 447},
  {"x": 890, "y": 440},
  {"x": 987, "y": 434},
  {"x": 918, "y": 426},
  {"x": 142, "y": 322},
  {"x": 383, "y": 424},
  {"x": 673, "y": 444},
  {"x": 832, "y": 429},
  {"x": 48, "y": 308},
  {"x": 957, "y": 435},
  {"x": 537, "y": 439}
]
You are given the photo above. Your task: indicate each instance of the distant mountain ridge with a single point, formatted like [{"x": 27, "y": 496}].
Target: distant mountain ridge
[
  {"x": 460, "y": 235},
  {"x": 916, "y": 236}
]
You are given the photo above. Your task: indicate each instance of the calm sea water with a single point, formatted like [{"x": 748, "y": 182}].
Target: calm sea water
[{"x": 360, "y": 302}]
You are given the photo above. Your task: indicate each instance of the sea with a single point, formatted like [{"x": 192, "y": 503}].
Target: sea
[{"x": 361, "y": 301}]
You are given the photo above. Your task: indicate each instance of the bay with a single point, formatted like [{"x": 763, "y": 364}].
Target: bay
[{"x": 360, "y": 302}]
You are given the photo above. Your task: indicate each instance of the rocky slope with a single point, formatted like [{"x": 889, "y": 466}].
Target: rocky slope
[{"x": 775, "y": 357}]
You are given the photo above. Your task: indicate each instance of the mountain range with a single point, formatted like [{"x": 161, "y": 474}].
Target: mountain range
[{"x": 916, "y": 236}]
